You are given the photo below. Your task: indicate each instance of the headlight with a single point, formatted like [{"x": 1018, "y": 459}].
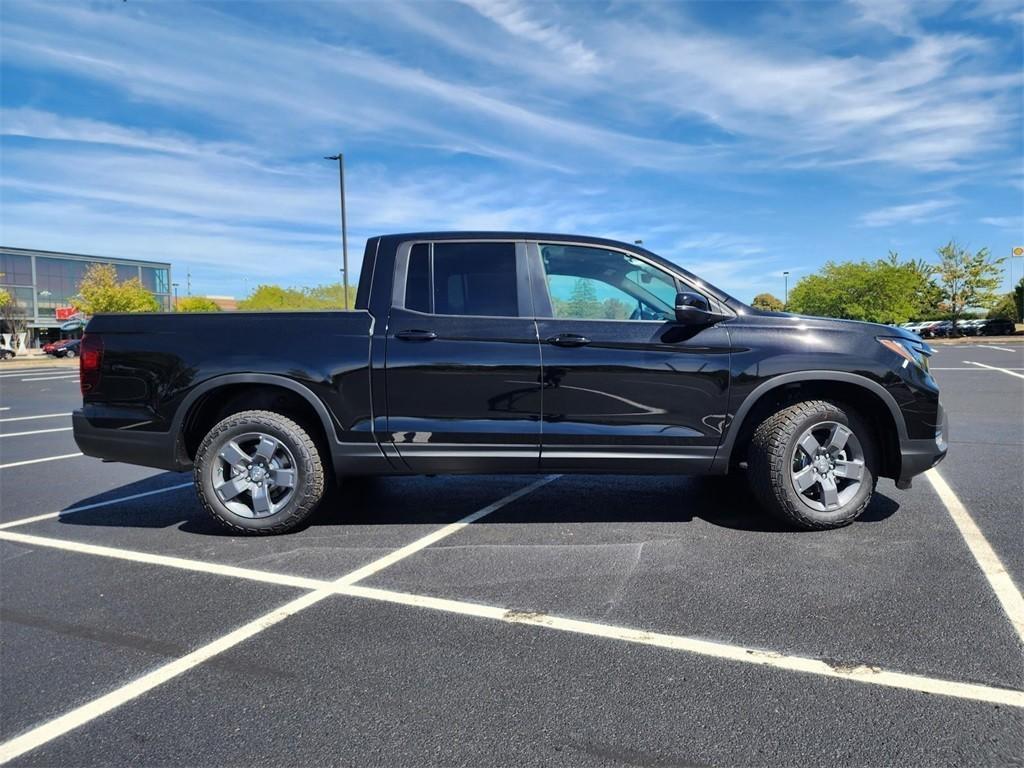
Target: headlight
[{"x": 916, "y": 352}]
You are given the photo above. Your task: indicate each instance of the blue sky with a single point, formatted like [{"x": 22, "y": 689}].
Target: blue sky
[{"x": 738, "y": 139}]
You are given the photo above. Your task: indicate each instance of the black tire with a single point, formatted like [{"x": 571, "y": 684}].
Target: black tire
[
  {"x": 774, "y": 449},
  {"x": 309, "y": 474},
  {"x": 71, "y": 353}
]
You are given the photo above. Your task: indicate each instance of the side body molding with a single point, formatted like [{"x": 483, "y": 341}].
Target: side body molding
[{"x": 721, "y": 462}]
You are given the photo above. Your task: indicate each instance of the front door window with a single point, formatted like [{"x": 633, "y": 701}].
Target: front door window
[{"x": 588, "y": 283}]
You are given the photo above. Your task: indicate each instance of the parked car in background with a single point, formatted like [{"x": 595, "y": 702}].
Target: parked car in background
[
  {"x": 999, "y": 326},
  {"x": 928, "y": 329},
  {"x": 53, "y": 346},
  {"x": 70, "y": 349},
  {"x": 6, "y": 353},
  {"x": 970, "y": 328}
]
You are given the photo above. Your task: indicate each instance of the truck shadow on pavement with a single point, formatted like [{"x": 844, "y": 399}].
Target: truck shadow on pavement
[{"x": 720, "y": 501}]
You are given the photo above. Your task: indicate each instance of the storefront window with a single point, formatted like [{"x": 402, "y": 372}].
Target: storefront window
[
  {"x": 15, "y": 270},
  {"x": 125, "y": 272},
  {"x": 57, "y": 281},
  {"x": 22, "y": 301},
  {"x": 155, "y": 280}
]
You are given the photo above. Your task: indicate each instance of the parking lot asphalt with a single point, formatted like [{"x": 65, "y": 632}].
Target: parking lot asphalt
[{"x": 582, "y": 620}]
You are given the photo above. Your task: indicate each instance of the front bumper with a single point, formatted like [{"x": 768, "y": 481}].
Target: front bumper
[
  {"x": 917, "y": 456},
  {"x": 150, "y": 449}
]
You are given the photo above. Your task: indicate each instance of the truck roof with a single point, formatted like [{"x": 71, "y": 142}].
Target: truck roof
[
  {"x": 503, "y": 235},
  {"x": 551, "y": 237}
]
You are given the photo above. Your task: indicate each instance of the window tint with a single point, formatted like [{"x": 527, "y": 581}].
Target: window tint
[
  {"x": 417, "y": 281},
  {"x": 467, "y": 279},
  {"x": 595, "y": 284}
]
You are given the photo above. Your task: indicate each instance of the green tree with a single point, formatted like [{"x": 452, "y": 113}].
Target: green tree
[
  {"x": 1018, "y": 299},
  {"x": 615, "y": 309},
  {"x": 583, "y": 301},
  {"x": 1005, "y": 308},
  {"x": 197, "y": 304},
  {"x": 274, "y": 298},
  {"x": 100, "y": 291},
  {"x": 14, "y": 317},
  {"x": 881, "y": 291},
  {"x": 967, "y": 279},
  {"x": 927, "y": 296},
  {"x": 768, "y": 302},
  {"x": 330, "y": 296}
]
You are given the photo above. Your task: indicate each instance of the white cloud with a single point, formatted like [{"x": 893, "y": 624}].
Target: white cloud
[
  {"x": 207, "y": 127},
  {"x": 1013, "y": 223},
  {"x": 517, "y": 19},
  {"x": 912, "y": 213}
]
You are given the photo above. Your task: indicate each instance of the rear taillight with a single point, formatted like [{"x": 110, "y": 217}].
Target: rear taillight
[{"x": 90, "y": 362}]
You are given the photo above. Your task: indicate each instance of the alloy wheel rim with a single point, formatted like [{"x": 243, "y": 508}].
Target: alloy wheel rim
[
  {"x": 828, "y": 466},
  {"x": 255, "y": 475}
]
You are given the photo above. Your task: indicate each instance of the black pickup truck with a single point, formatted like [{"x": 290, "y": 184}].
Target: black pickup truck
[{"x": 499, "y": 352}]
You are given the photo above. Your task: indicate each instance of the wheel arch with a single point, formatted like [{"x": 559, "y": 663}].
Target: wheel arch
[
  {"x": 870, "y": 399},
  {"x": 221, "y": 395}
]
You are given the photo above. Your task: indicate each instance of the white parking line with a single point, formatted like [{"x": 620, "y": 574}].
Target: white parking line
[
  {"x": 994, "y": 368},
  {"x": 185, "y": 564},
  {"x": 1001, "y": 349},
  {"x": 858, "y": 673},
  {"x": 448, "y": 530},
  {"x": 5, "y": 408},
  {"x": 10, "y": 374},
  {"x": 1002, "y": 584},
  {"x": 95, "y": 505},
  {"x": 855, "y": 673},
  {"x": 29, "y": 418},
  {"x": 40, "y": 461},
  {"x": 36, "y": 432},
  {"x": 953, "y": 369},
  {"x": 81, "y": 715},
  {"x": 51, "y": 378}
]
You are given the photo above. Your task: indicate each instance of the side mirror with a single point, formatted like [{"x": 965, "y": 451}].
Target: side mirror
[{"x": 694, "y": 309}]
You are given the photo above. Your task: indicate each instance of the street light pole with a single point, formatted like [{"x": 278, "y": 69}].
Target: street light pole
[
  {"x": 175, "y": 286},
  {"x": 785, "y": 301},
  {"x": 344, "y": 227}
]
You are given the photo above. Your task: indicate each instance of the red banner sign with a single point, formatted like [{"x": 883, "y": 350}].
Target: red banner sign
[{"x": 65, "y": 313}]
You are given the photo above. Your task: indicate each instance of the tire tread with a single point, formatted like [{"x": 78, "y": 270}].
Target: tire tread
[
  {"x": 312, "y": 466},
  {"x": 769, "y": 469}
]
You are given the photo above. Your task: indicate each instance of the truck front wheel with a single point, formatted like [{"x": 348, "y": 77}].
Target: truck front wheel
[
  {"x": 259, "y": 472},
  {"x": 814, "y": 464}
]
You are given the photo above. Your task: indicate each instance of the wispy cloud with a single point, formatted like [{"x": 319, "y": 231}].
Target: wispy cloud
[
  {"x": 1012, "y": 223},
  {"x": 518, "y": 20},
  {"x": 729, "y": 140},
  {"x": 912, "y": 213}
]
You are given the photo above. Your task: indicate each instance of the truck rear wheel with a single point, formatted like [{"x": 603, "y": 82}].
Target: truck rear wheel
[
  {"x": 814, "y": 464},
  {"x": 259, "y": 472}
]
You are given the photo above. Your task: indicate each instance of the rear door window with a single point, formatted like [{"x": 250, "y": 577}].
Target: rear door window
[{"x": 463, "y": 278}]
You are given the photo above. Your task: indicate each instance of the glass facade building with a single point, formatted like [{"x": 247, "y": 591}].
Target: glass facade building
[{"x": 41, "y": 281}]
